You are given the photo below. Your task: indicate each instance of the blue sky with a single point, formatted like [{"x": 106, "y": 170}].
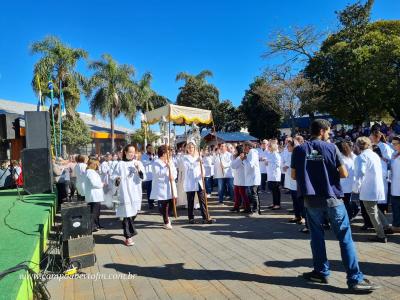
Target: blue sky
[{"x": 162, "y": 37}]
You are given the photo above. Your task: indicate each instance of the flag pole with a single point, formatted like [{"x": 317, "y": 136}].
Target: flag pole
[
  {"x": 50, "y": 86},
  {"x": 60, "y": 109}
]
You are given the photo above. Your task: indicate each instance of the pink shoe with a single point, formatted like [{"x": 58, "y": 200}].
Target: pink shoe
[{"x": 129, "y": 242}]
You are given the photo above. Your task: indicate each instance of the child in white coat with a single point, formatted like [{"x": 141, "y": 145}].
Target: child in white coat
[{"x": 94, "y": 194}]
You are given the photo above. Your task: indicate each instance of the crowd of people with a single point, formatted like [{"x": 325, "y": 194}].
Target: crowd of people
[{"x": 330, "y": 182}]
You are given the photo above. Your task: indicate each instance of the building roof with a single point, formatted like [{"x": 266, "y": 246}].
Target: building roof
[
  {"x": 230, "y": 136},
  {"x": 97, "y": 125}
]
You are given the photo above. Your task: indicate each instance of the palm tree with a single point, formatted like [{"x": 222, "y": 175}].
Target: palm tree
[
  {"x": 201, "y": 77},
  {"x": 58, "y": 62},
  {"x": 111, "y": 90}
]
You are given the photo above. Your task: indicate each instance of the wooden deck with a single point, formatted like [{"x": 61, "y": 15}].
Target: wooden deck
[{"x": 236, "y": 258}]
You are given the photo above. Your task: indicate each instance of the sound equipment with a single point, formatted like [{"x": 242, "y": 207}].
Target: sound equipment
[
  {"x": 37, "y": 171},
  {"x": 79, "y": 252},
  {"x": 76, "y": 220},
  {"x": 37, "y": 129},
  {"x": 9, "y": 125}
]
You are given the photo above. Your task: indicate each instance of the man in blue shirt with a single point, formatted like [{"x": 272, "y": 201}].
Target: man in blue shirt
[{"x": 317, "y": 167}]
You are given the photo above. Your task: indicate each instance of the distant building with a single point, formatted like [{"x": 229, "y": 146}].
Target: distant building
[
  {"x": 228, "y": 137},
  {"x": 99, "y": 130},
  {"x": 303, "y": 123}
]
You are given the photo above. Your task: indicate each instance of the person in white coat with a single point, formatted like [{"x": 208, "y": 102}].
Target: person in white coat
[
  {"x": 378, "y": 138},
  {"x": 164, "y": 173},
  {"x": 262, "y": 154},
  {"x": 223, "y": 172},
  {"x": 128, "y": 175},
  {"x": 239, "y": 183},
  {"x": 383, "y": 204},
  {"x": 105, "y": 174},
  {"x": 369, "y": 184},
  {"x": 395, "y": 185},
  {"x": 208, "y": 163},
  {"x": 80, "y": 171},
  {"x": 252, "y": 174},
  {"x": 274, "y": 175},
  {"x": 147, "y": 160},
  {"x": 193, "y": 183},
  {"x": 94, "y": 194}
]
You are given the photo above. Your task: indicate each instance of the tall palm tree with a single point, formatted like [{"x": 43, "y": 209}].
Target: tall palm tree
[
  {"x": 111, "y": 90},
  {"x": 59, "y": 62},
  {"x": 201, "y": 77}
]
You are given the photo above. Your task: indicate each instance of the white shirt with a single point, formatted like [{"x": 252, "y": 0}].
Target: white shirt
[
  {"x": 161, "y": 185},
  {"x": 263, "y": 163},
  {"x": 368, "y": 176},
  {"x": 395, "y": 186},
  {"x": 386, "y": 150},
  {"x": 252, "y": 168},
  {"x": 274, "y": 167},
  {"x": 80, "y": 171},
  {"x": 147, "y": 161},
  {"x": 223, "y": 161},
  {"x": 130, "y": 187},
  {"x": 238, "y": 171},
  {"x": 289, "y": 183},
  {"x": 190, "y": 167},
  {"x": 347, "y": 183},
  {"x": 93, "y": 187},
  {"x": 208, "y": 163},
  {"x": 385, "y": 180}
]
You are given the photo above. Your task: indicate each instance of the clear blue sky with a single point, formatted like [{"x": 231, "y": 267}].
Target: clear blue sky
[{"x": 163, "y": 37}]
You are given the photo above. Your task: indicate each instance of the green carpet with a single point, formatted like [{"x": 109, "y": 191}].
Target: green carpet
[{"x": 24, "y": 229}]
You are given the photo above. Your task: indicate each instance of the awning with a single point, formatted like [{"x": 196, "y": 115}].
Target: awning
[{"x": 179, "y": 115}]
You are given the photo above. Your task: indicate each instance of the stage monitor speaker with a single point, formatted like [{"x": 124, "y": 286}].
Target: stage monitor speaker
[
  {"x": 37, "y": 171},
  {"x": 9, "y": 124},
  {"x": 79, "y": 252},
  {"x": 76, "y": 220},
  {"x": 37, "y": 129}
]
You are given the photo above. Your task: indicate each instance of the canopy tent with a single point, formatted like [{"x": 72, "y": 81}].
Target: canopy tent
[{"x": 179, "y": 115}]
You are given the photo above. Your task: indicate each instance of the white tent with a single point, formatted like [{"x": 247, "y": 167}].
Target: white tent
[{"x": 179, "y": 115}]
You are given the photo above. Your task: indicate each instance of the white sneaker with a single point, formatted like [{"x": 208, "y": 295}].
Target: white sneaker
[
  {"x": 167, "y": 226},
  {"x": 208, "y": 195},
  {"x": 129, "y": 242}
]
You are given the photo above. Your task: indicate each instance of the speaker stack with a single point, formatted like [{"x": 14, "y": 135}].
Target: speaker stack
[{"x": 78, "y": 243}]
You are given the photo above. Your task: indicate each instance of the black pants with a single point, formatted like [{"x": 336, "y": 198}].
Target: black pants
[
  {"x": 147, "y": 186},
  {"x": 72, "y": 187},
  {"x": 164, "y": 207},
  {"x": 263, "y": 181},
  {"x": 190, "y": 200},
  {"x": 95, "y": 214},
  {"x": 298, "y": 205},
  {"x": 252, "y": 192},
  {"x": 128, "y": 227},
  {"x": 276, "y": 192}
]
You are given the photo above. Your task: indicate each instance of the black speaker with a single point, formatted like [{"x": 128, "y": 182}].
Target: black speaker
[
  {"x": 37, "y": 171},
  {"x": 37, "y": 129},
  {"x": 9, "y": 124},
  {"x": 76, "y": 220},
  {"x": 79, "y": 252}
]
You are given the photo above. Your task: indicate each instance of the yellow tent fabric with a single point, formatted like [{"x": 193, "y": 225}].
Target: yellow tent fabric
[{"x": 179, "y": 115}]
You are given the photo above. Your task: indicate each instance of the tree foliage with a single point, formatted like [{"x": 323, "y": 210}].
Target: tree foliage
[
  {"x": 227, "y": 117},
  {"x": 138, "y": 137},
  {"x": 75, "y": 133},
  {"x": 260, "y": 106}
]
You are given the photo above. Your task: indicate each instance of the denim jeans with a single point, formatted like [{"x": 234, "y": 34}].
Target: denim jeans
[
  {"x": 396, "y": 210},
  {"x": 341, "y": 226},
  {"x": 225, "y": 184},
  {"x": 209, "y": 184}
]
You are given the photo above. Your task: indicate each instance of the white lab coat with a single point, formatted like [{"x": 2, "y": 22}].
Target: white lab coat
[
  {"x": 368, "y": 176},
  {"x": 93, "y": 187},
  {"x": 108, "y": 189},
  {"x": 208, "y": 163},
  {"x": 385, "y": 181},
  {"x": 274, "y": 167},
  {"x": 181, "y": 178},
  {"x": 252, "y": 168},
  {"x": 147, "y": 161},
  {"x": 223, "y": 161},
  {"x": 161, "y": 186},
  {"x": 263, "y": 163},
  {"x": 80, "y": 171},
  {"x": 386, "y": 150},
  {"x": 190, "y": 167},
  {"x": 130, "y": 187},
  {"x": 289, "y": 183},
  {"x": 395, "y": 166},
  {"x": 238, "y": 171},
  {"x": 347, "y": 183}
]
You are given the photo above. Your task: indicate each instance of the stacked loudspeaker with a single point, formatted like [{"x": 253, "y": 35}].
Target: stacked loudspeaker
[
  {"x": 78, "y": 243},
  {"x": 36, "y": 159}
]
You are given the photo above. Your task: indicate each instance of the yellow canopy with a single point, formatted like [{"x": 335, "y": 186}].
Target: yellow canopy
[{"x": 179, "y": 115}]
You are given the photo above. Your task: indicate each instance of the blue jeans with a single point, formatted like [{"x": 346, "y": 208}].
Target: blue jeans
[
  {"x": 223, "y": 185},
  {"x": 209, "y": 184},
  {"x": 341, "y": 226},
  {"x": 396, "y": 210}
]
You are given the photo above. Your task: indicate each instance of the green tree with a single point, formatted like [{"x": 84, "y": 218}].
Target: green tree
[
  {"x": 58, "y": 61},
  {"x": 227, "y": 117},
  {"x": 75, "y": 133},
  {"x": 111, "y": 90},
  {"x": 196, "y": 92},
  {"x": 260, "y": 106},
  {"x": 138, "y": 137}
]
